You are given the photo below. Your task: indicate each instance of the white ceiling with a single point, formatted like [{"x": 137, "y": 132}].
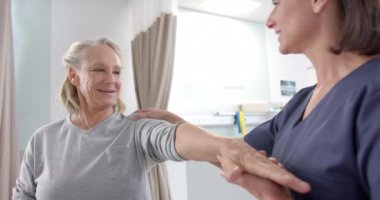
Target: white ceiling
[{"x": 260, "y": 14}]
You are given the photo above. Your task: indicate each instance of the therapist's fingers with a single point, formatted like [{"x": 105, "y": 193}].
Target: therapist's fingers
[
  {"x": 264, "y": 153},
  {"x": 275, "y": 161},
  {"x": 152, "y": 113},
  {"x": 148, "y": 113},
  {"x": 144, "y": 110}
]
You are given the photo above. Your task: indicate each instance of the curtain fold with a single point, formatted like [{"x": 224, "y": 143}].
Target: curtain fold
[
  {"x": 153, "y": 60},
  {"x": 8, "y": 134}
]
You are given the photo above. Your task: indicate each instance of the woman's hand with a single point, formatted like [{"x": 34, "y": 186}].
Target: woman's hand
[
  {"x": 237, "y": 159},
  {"x": 261, "y": 188},
  {"x": 152, "y": 113}
]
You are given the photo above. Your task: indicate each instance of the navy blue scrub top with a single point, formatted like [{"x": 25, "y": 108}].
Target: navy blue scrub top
[{"x": 336, "y": 148}]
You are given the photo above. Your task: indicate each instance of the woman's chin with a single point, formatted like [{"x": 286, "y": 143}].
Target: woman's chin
[
  {"x": 107, "y": 105},
  {"x": 284, "y": 50}
]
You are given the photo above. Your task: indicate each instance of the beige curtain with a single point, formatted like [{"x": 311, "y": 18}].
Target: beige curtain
[
  {"x": 153, "y": 58},
  {"x": 8, "y": 135}
]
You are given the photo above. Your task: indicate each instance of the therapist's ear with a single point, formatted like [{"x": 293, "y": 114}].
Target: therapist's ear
[
  {"x": 72, "y": 75},
  {"x": 318, "y": 5}
]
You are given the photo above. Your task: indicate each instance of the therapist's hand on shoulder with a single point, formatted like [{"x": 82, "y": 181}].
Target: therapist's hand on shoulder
[{"x": 152, "y": 113}]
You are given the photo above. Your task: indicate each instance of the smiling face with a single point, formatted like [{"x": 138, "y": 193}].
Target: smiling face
[
  {"x": 295, "y": 24},
  {"x": 98, "y": 78}
]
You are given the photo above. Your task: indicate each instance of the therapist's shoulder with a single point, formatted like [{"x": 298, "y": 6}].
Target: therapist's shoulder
[{"x": 132, "y": 118}]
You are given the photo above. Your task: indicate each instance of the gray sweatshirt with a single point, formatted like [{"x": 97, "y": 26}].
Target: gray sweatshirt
[{"x": 109, "y": 161}]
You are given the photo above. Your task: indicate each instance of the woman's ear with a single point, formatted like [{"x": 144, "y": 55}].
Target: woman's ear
[
  {"x": 318, "y": 5},
  {"x": 72, "y": 75}
]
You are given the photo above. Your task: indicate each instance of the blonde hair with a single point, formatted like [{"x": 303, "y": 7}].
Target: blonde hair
[{"x": 72, "y": 58}]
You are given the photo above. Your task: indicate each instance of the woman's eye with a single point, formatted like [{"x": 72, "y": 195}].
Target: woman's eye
[
  {"x": 98, "y": 70},
  {"x": 116, "y": 72}
]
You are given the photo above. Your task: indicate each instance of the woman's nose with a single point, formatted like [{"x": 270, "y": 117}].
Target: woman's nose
[
  {"x": 110, "y": 78},
  {"x": 270, "y": 23}
]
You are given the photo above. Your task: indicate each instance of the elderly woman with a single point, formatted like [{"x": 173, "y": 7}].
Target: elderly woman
[
  {"x": 328, "y": 134},
  {"x": 98, "y": 153}
]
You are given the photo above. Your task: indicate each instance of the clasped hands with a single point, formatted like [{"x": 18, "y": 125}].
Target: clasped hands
[
  {"x": 240, "y": 164},
  {"x": 263, "y": 177}
]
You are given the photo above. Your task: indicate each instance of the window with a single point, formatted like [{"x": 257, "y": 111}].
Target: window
[{"x": 220, "y": 62}]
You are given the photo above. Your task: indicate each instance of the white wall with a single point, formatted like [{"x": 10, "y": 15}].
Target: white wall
[
  {"x": 178, "y": 180},
  {"x": 219, "y": 61},
  {"x": 206, "y": 183},
  {"x": 74, "y": 20},
  {"x": 31, "y": 28}
]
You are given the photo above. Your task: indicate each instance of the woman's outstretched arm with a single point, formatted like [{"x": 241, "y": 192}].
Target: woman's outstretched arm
[{"x": 240, "y": 163}]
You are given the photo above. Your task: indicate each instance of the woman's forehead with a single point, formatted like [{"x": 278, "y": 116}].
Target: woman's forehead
[{"x": 100, "y": 54}]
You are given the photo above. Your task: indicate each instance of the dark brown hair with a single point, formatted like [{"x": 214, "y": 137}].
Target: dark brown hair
[{"x": 360, "y": 25}]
